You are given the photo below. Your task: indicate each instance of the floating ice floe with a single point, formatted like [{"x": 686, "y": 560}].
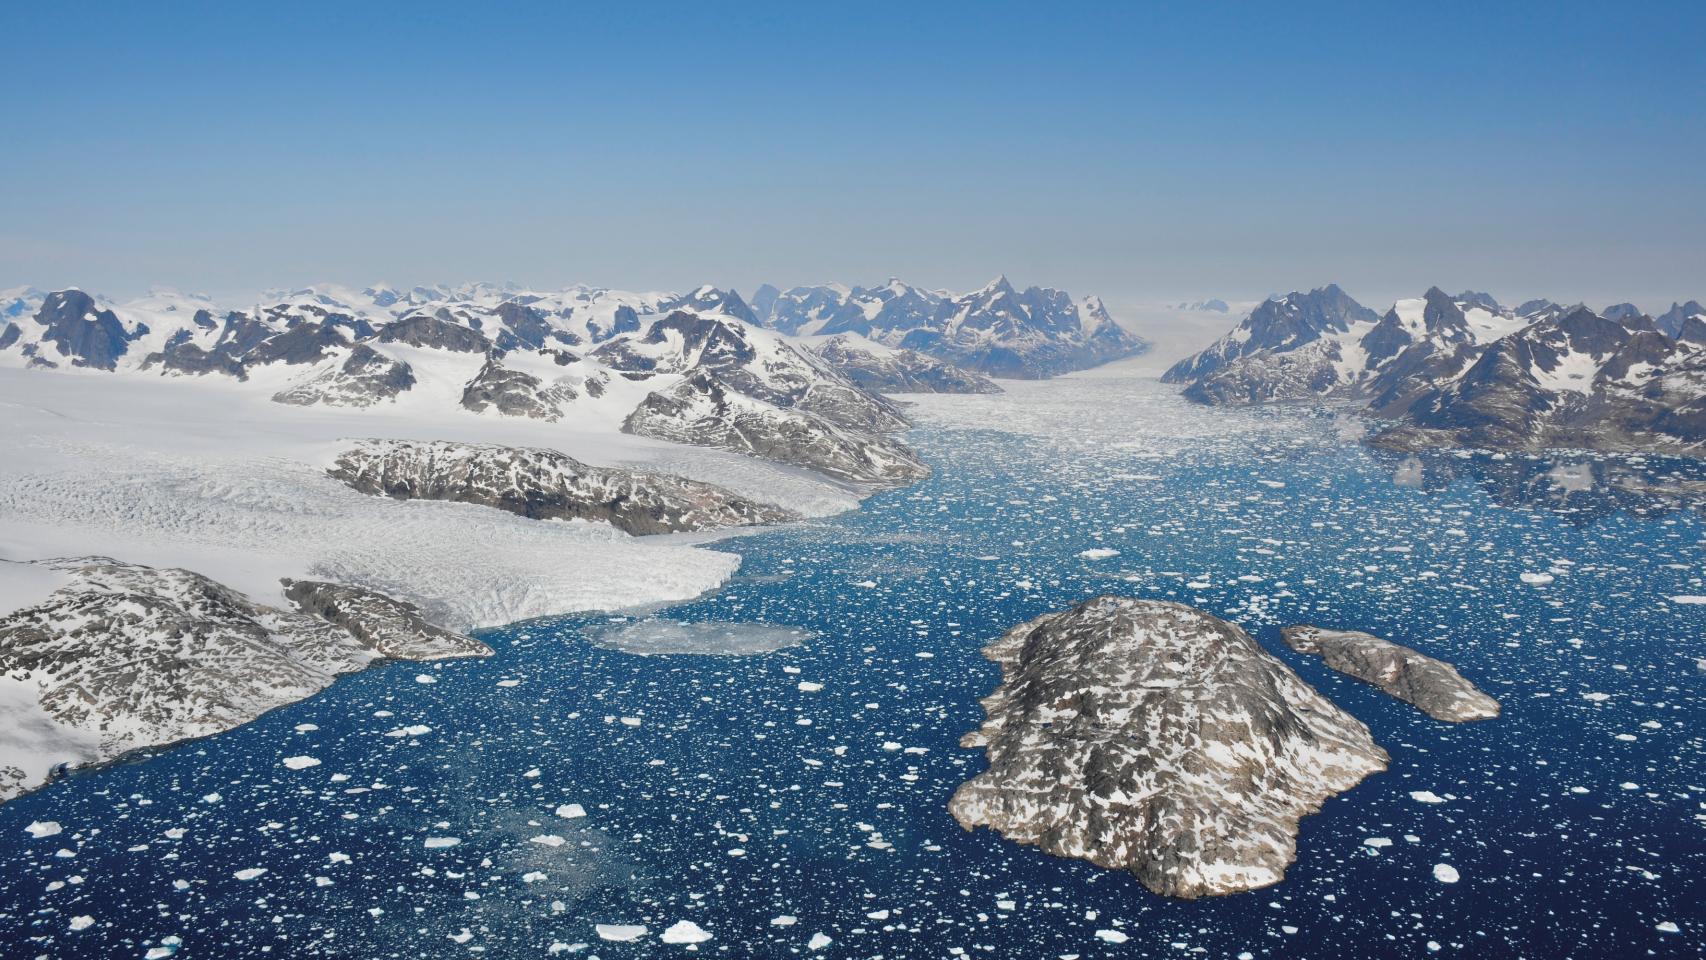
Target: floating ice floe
[
  {"x": 1111, "y": 936},
  {"x": 249, "y": 873},
  {"x": 685, "y": 931},
  {"x": 652, "y": 638},
  {"x": 300, "y": 763},
  {"x": 1098, "y": 553},
  {"x": 43, "y": 828},
  {"x": 620, "y": 932},
  {"x": 1537, "y": 579},
  {"x": 440, "y": 843},
  {"x": 1426, "y": 796},
  {"x": 1445, "y": 873}
]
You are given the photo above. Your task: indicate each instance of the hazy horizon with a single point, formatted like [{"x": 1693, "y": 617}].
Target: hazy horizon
[{"x": 1146, "y": 156}]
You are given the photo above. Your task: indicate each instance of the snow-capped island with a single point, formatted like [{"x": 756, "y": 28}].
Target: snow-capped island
[{"x": 1149, "y": 736}]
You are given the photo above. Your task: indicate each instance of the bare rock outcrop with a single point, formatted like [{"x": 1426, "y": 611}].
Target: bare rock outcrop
[
  {"x": 1433, "y": 686},
  {"x": 545, "y": 485}
]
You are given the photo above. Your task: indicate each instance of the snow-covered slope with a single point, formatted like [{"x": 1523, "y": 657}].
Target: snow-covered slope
[
  {"x": 701, "y": 410},
  {"x": 1277, "y": 325},
  {"x": 890, "y": 370}
]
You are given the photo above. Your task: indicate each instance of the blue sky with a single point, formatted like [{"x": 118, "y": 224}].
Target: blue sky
[{"x": 1144, "y": 152}]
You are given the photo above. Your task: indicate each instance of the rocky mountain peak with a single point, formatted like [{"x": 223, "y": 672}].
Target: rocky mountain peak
[{"x": 84, "y": 333}]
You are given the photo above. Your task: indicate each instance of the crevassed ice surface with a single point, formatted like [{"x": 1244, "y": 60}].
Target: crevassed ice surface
[{"x": 563, "y": 797}]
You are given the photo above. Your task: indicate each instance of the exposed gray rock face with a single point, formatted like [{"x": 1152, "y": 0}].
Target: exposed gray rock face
[
  {"x": 545, "y": 484},
  {"x": 899, "y": 371},
  {"x": 309, "y": 342},
  {"x": 524, "y": 327},
  {"x": 514, "y": 393},
  {"x": 127, "y": 657},
  {"x": 763, "y": 301},
  {"x": 393, "y": 628},
  {"x": 709, "y": 299},
  {"x": 624, "y": 319},
  {"x": 1152, "y": 737},
  {"x": 1432, "y": 685},
  {"x": 1621, "y": 312},
  {"x": 89, "y": 336},
  {"x": 703, "y": 411},
  {"x": 1672, "y": 321},
  {"x": 364, "y": 378},
  {"x": 426, "y": 330},
  {"x": 192, "y": 358}
]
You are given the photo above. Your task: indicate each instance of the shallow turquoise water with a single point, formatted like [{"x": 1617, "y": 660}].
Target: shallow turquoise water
[{"x": 718, "y": 790}]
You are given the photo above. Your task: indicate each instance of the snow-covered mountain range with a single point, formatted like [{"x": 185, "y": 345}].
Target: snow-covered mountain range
[
  {"x": 1466, "y": 371},
  {"x": 700, "y": 368},
  {"x": 584, "y": 355},
  {"x": 998, "y": 330}
]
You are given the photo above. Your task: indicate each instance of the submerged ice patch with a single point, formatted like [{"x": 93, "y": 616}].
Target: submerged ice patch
[{"x": 653, "y": 638}]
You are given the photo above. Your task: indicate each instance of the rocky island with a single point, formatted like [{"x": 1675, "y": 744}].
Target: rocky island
[
  {"x": 1433, "y": 686},
  {"x": 1152, "y": 737}
]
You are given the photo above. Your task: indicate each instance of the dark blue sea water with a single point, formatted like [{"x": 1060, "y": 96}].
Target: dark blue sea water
[{"x": 717, "y": 790}]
